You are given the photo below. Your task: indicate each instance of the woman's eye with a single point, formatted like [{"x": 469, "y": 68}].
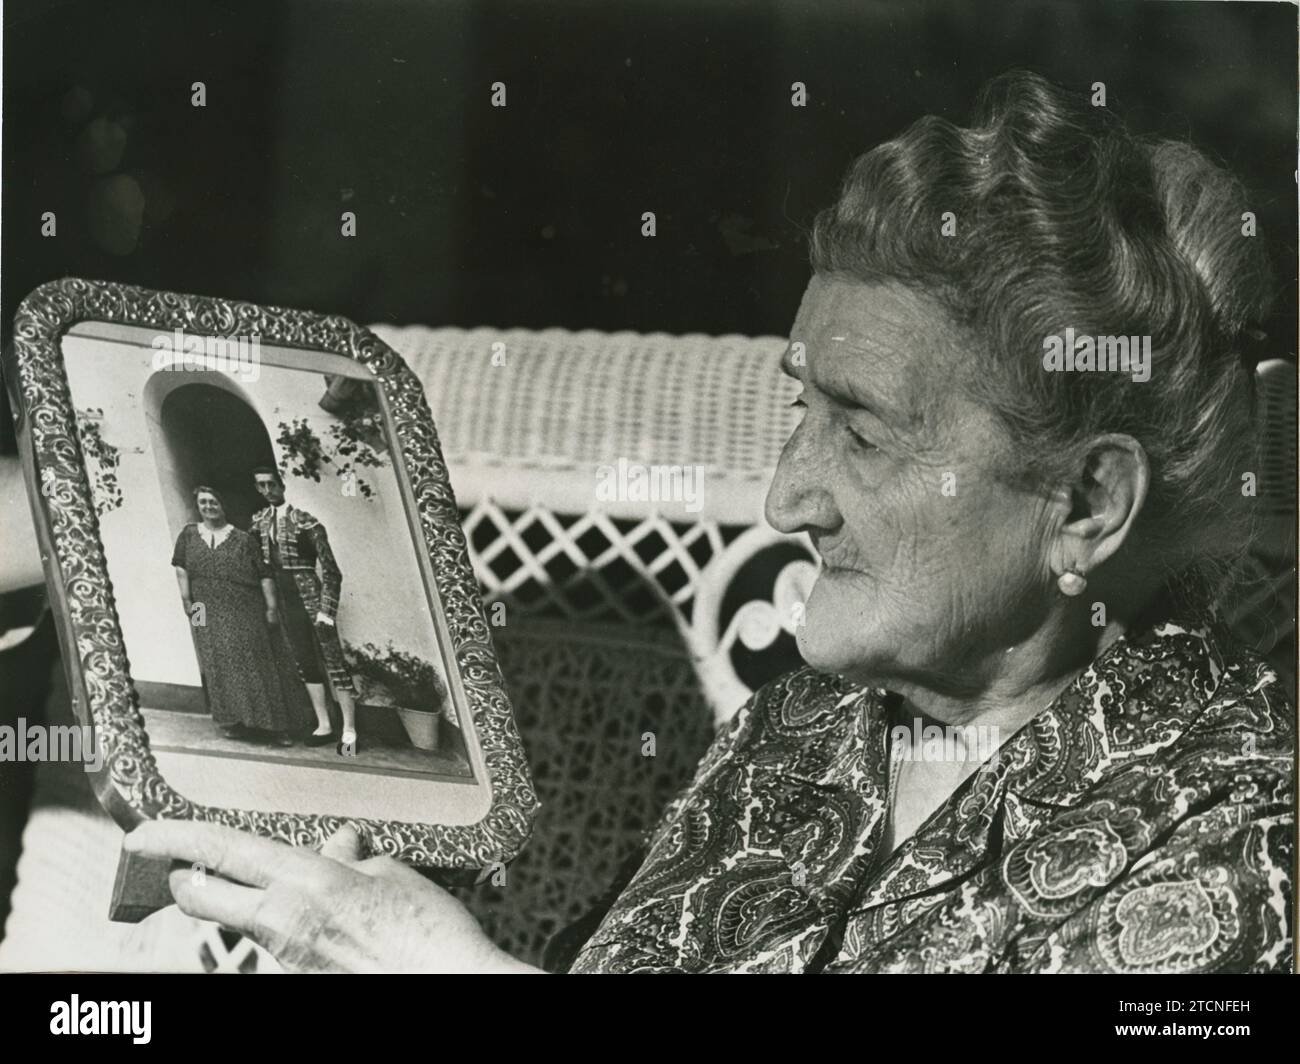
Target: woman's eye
[{"x": 861, "y": 442}]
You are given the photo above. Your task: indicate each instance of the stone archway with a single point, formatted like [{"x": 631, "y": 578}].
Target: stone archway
[{"x": 206, "y": 432}]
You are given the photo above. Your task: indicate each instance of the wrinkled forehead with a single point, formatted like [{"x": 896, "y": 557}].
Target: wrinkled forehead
[{"x": 883, "y": 340}]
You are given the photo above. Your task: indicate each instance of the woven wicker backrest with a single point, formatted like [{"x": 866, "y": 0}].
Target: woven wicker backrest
[{"x": 555, "y": 405}]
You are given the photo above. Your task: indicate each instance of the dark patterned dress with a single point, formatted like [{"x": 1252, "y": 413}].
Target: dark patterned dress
[
  {"x": 1142, "y": 822},
  {"x": 247, "y": 667}
]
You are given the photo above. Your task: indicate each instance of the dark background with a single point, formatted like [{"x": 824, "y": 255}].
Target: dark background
[{"x": 530, "y": 215}]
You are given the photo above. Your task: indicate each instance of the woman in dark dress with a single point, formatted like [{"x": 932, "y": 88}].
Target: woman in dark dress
[{"x": 229, "y": 597}]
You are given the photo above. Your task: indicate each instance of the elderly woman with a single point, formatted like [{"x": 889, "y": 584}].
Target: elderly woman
[{"x": 1019, "y": 522}]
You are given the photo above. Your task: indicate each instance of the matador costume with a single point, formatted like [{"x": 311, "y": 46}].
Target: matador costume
[{"x": 293, "y": 546}]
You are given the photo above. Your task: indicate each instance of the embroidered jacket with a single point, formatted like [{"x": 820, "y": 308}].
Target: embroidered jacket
[
  {"x": 1141, "y": 823},
  {"x": 303, "y": 544}
]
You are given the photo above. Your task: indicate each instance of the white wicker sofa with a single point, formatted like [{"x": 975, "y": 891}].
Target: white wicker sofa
[{"x": 622, "y": 618}]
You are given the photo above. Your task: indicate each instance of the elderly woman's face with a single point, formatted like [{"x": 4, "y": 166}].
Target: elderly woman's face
[{"x": 929, "y": 561}]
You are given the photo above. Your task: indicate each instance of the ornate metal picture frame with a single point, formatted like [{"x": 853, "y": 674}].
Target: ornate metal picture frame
[{"x": 128, "y": 781}]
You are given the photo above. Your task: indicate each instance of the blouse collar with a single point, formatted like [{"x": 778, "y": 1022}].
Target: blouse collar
[{"x": 215, "y": 537}]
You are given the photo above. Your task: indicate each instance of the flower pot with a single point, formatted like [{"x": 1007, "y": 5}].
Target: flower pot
[{"x": 421, "y": 727}]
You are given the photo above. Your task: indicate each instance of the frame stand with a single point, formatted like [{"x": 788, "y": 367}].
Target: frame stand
[{"x": 140, "y": 887}]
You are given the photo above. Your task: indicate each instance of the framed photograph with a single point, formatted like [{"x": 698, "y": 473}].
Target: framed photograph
[{"x": 261, "y": 584}]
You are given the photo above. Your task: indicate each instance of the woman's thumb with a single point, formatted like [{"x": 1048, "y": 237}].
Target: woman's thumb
[{"x": 344, "y": 845}]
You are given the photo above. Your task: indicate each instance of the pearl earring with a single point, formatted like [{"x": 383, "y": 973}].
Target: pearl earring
[{"x": 1071, "y": 582}]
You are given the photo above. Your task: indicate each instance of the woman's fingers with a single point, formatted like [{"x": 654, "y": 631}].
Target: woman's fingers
[
  {"x": 210, "y": 897},
  {"x": 279, "y": 918},
  {"x": 224, "y": 850},
  {"x": 289, "y": 924}
]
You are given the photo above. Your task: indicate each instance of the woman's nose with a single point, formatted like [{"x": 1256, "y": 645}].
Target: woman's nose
[{"x": 797, "y": 498}]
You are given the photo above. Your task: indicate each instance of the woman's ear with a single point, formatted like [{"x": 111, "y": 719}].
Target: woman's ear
[{"x": 1106, "y": 496}]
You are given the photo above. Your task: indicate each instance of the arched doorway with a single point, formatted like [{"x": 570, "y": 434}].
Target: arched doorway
[{"x": 214, "y": 437}]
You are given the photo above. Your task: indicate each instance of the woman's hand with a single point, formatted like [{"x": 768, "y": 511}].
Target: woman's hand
[
  {"x": 326, "y": 911},
  {"x": 272, "y": 615}
]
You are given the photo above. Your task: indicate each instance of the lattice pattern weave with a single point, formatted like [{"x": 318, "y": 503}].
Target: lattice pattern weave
[
  {"x": 591, "y": 567},
  {"x": 585, "y": 702}
]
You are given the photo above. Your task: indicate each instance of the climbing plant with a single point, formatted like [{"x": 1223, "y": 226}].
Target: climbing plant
[
  {"x": 102, "y": 461},
  {"x": 354, "y": 442}
]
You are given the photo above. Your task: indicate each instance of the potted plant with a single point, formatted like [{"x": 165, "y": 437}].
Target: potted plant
[{"x": 404, "y": 682}]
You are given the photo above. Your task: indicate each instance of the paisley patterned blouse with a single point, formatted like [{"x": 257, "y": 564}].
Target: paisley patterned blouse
[{"x": 1141, "y": 823}]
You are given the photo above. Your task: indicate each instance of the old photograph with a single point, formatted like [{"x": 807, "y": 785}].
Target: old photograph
[{"x": 261, "y": 557}]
